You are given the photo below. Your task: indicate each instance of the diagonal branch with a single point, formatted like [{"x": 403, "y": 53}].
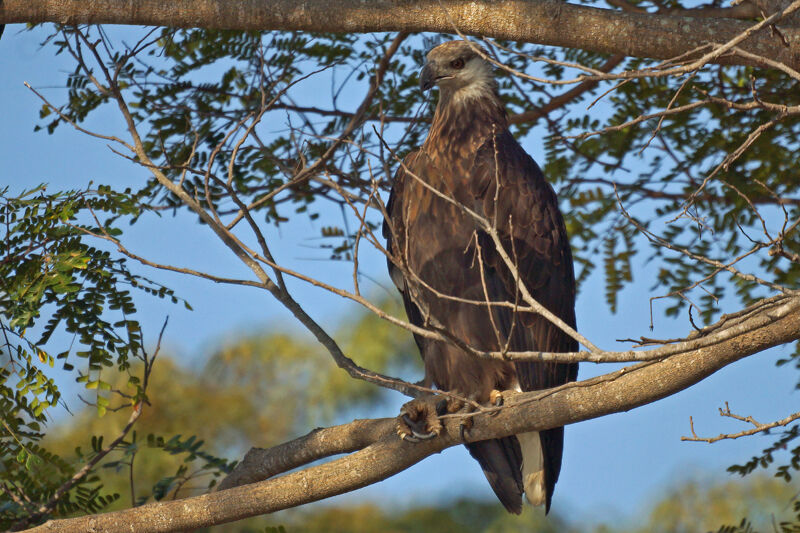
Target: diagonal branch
[
  {"x": 260, "y": 464},
  {"x": 622, "y": 390},
  {"x": 232, "y": 242}
]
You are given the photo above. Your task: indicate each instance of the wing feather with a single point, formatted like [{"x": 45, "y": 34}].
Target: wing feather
[{"x": 533, "y": 233}]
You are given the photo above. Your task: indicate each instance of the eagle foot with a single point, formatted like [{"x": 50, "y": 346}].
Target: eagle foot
[
  {"x": 495, "y": 400},
  {"x": 467, "y": 422},
  {"x": 454, "y": 405},
  {"x": 418, "y": 421}
]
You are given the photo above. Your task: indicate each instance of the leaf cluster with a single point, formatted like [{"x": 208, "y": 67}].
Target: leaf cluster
[
  {"x": 54, "y": 284},
  {"x": 659, "y": 170}
]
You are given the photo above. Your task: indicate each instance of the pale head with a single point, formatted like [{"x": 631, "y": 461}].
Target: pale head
[{"x": 459, "y": 71}]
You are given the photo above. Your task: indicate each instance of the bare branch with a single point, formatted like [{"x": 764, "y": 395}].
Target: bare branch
[
  {"x": 236, "y": 246},
  {"x": 758, "y": 427}
]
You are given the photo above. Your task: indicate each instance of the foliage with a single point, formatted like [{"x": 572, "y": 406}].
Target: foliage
[
  {"x": 50, "y": 278},
  {"x": 227, "y": 117},
  {"x": 192, "y": 88},
  {"x": 767, "y": 457},
  {"x": 459, "y": 515},
  {"x": 294, "y": 380},
  {"x": 690, "y": 507},
  {"x": 696, "y": 506}
]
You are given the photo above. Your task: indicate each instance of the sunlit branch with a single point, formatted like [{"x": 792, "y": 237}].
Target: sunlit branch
[
  {"x": 758, "y": 427},
  {"x": 619, "y": 391}
]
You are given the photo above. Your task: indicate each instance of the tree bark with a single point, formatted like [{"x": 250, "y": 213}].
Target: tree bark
[
  {"x": 623, "y": 390},
  {"x": 549, "y": 22}
]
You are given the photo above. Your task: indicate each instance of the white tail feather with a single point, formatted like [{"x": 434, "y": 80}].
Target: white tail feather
[{"x": 532, "y": 467}]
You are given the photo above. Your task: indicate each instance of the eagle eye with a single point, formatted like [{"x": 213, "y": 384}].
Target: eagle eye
[{"x": 457, "y": 64}]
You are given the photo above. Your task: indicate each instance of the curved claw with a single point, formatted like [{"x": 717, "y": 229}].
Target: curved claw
[
  {"x": 409, "y": 438},
  {"x": 495, "y": 400},
  {"x": 463, "y": 430},
  {"x": 415, "y": 433},
  {"x": 496, "y": 397}
]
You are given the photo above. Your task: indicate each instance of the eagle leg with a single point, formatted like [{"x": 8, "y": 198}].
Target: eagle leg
[
  {"x": 458, "y": 406},
  {"x": 418, "y": 421},
  {"x": 455, "y": 405}
]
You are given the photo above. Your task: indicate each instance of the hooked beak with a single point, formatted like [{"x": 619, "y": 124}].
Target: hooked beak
[{"x": 427, "y": 78}]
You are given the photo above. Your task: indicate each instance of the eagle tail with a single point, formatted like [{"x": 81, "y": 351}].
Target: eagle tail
[
  {"x": 533, "y": 471},
  {"x": 501, "y": 461}
]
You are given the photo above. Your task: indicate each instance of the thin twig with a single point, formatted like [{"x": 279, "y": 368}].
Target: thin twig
[{"x": 758, "y": 427}]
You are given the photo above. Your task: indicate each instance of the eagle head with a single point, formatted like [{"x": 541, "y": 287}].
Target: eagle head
[{"x": 458, "y": 69}]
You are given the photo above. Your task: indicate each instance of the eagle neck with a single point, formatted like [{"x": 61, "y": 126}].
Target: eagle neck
[{"x": 462, "y": 125}]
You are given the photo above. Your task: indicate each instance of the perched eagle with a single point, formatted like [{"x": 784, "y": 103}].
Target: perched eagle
[{"x": 442, "y": 260}]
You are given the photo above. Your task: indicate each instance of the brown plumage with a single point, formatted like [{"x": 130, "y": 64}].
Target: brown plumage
[{"x": 471, "y": 157}]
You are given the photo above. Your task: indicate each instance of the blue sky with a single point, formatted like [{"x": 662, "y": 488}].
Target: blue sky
[{"x": 612, "y": 466}]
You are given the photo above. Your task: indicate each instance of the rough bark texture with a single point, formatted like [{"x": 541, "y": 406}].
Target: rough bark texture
[
  {"x": 550, "y": 22},
  {"x": 260, "y": 463},
  {"x": 619, "y": 391}
]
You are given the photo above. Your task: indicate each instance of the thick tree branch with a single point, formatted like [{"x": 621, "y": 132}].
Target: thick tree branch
[
  {"x": 259, "y": 463},
  {"x": 547, "y": 22},
  {"x": 619, "y": 391}
]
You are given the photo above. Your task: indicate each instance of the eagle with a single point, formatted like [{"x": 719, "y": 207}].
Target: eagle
[{"x": 450, "y": 271}]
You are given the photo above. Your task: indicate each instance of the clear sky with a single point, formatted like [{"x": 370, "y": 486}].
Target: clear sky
[{"x": 612, "y": 466}]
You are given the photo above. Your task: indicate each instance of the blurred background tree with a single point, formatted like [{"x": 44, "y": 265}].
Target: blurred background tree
[{"x": 271, "y": 388}]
